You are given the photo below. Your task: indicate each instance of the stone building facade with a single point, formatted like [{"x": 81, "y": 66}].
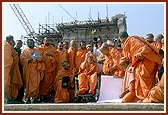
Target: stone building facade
[{"x": 106, "y": 29}]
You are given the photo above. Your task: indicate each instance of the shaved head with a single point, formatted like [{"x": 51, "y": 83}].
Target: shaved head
[{"x": 104, "y": 49}]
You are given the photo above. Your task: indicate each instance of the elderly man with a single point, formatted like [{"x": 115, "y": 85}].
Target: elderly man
[
  {"x": 12, "y": 77},
  {"x": 33, "y": 70},
  {"x": 110, "y": 67},
  {"x": 88, "y": 74}
]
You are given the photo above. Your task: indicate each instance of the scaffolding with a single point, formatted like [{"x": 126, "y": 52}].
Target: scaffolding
[{"x": 23, "y": 20}]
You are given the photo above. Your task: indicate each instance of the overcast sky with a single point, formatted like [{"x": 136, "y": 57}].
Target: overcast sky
[{"x": 142, "y": 18}]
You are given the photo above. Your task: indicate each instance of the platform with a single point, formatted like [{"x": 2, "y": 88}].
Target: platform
[{"x": 85, "y": 107}]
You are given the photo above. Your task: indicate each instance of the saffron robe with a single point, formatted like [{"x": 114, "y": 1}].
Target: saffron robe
[
  {"x": 156, "y": 94},
  {"x": 33, "y": 72},
  {"x": 144, "y": 69},
  {"x": 80, "y": 57},
  {"x": 87, "y": 77},
  {"x": 63, "y": 94},
  {"x": 72, "y": 56},
  {"x": 47, "y": 83}
]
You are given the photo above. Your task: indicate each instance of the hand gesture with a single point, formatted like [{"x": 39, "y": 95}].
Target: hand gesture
[{"x": 87, "y": 55}]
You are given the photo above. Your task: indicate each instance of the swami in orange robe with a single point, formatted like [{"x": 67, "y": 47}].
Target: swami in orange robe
[
  {"x": 140, "y": 53},
  {"x": 62, "y": 55},
  {"x": 8, "y": 61},
  {"x": 116, "y": 55},
  {"x": 33, "y": 70},
  {"x": 87, "y": 75},
  {"x": 12, "y": 77},
  {"x": 72, "y": 54},
  {"x": 49, "y": 56},
  {"x": 80, "y": 55},
  {"x": 109, "y": 67},
  {"x": 64, "y": 94}
]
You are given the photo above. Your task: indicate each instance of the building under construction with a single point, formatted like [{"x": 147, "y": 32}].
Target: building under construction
[
  {"x": 84, "y": 30},
  {"x": 77, "y": 30}
]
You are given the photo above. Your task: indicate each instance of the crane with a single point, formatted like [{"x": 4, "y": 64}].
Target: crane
[{"x": 24, "y": 21}]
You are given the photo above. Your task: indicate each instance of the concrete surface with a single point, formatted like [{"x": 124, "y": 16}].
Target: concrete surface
[{"x": 109, "y": 107}]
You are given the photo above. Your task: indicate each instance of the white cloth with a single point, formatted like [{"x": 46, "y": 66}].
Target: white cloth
[
  {"x": 110, "y": 89},
  {"x": 97, "y": 53}
]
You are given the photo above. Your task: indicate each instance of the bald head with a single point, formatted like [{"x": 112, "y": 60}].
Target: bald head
[
  {"x": 73, "y": 44},
  {"x": 149, "y": 38},
  {"x": 46, "y": 41},
  {"x": 10, "y": 40},
  {"x": 159, "y": 38},
  {"x": 104, "y": 49}
]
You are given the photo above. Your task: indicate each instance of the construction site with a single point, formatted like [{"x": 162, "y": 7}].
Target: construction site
[
  {"x": 79, "y": 30},
  {"x": 106, "y": 29}
]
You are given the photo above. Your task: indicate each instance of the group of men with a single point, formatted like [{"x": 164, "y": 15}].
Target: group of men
[{"x": 46, "y": 73}]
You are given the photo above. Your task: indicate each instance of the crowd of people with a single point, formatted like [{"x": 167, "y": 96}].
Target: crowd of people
[{"x": 46, "y": 73}]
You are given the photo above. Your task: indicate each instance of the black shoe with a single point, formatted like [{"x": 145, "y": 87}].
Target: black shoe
[
  {"x": 51, "y": 100},
  {"x": 19, "y": 102},
  {"x": 36, "y": 101},
  {"x": 28, "y": 101},
  {"x": 45, "y": 99},
  {"x": 11, "y": 101}
]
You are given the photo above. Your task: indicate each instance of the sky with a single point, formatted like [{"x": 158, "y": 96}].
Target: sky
[{"x": 142, "y": 18}]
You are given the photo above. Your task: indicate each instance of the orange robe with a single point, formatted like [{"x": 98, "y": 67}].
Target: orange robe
[
  {"x": 156, "y": 94},
  {"x": 72, "y": 56},
  {"x": 107, "y": 64},
  {"x": 33, "y": 73},
  {"x": 47, "y": 84},
  {"x": 116, "y": 55},
  {"x": 12, "y": 77},
  {"x": 144, "y": 70},
  {"x": 157, "y": 44},
  {"x": 16, "y": 80},
  {"x": 62, "y": 56},
  {"x": 8, "y": 60},
  {"x": 80, "y": 57},
  {"x": 120, "y": 50},
  {"x": 87, "y": 77},
  {"x": 63, "y": 94}
]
